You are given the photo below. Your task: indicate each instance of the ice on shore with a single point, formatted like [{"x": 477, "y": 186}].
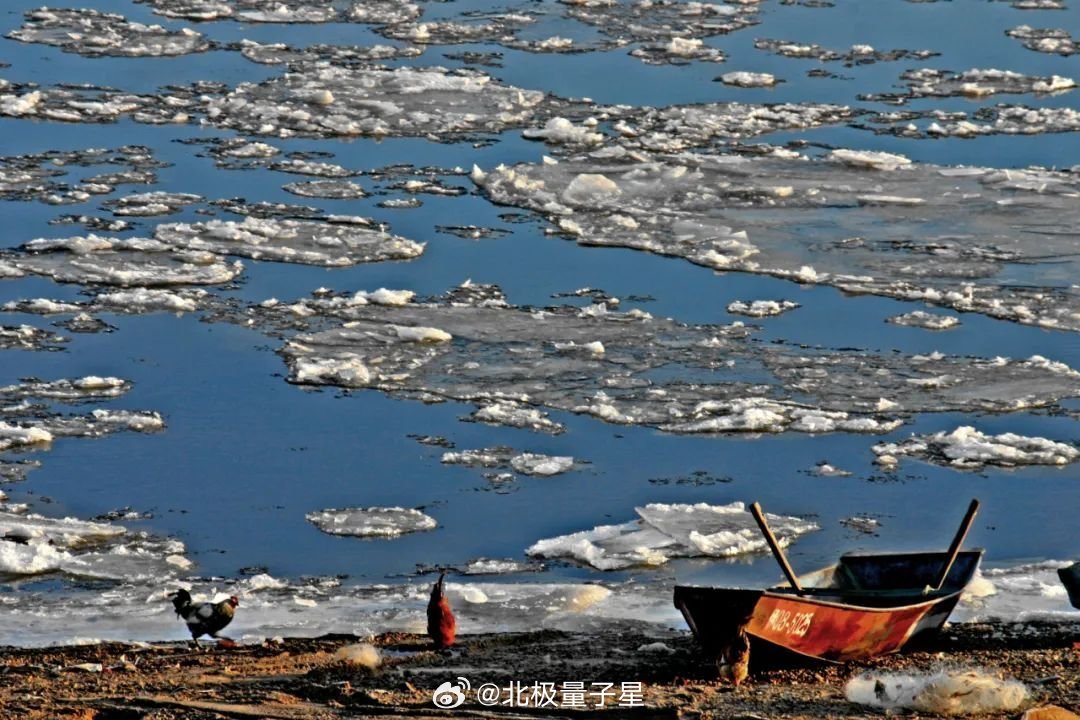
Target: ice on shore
[
  {"x": 276, "y": 607},
  {"x": 32, "y": 544},
  {"x": 967, "y": 448},
  {"x": 665, "y": 531},
  {"x": 371, "y": 522},
  {"x": 1017, "y": 593}
]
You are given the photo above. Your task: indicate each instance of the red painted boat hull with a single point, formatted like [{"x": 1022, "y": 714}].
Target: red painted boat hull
[{"x": 873, "y": 606}]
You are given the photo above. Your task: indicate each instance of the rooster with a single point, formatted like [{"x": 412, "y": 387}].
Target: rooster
[
  {"x": 441, "y": 625},
  {"x": 734, "y": 661},
  {"x": 205, "y": 618}
]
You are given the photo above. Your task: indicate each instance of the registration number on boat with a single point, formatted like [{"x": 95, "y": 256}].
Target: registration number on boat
[{"x": 789, "y": 623}]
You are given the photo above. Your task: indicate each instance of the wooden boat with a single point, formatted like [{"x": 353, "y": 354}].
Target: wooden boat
[
  {"x": 865, "y": 605},
  {"x": 1070, "y": 578}
]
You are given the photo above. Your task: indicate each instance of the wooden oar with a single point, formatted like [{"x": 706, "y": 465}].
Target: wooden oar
[
  {"x": 777, "y": 551},
  {"x": 954, "y": 549}
]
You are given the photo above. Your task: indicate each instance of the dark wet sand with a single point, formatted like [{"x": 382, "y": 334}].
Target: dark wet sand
[{"x": 300, "y": 679}]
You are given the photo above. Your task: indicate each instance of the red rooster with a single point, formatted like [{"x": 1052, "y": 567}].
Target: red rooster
[
  {"x": 441, "y": 625},
  {"x": 205, "y": 618}
]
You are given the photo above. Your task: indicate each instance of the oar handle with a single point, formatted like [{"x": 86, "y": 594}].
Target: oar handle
[
  {"x": 777, "y": 551},
  {"x": 954, "y": 548}
]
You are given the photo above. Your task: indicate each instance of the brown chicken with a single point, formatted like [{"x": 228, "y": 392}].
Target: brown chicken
[
  {"x": 734, "y": 662},
  {"x": 205, "y": 618},
  {"x": 441, "y": 625}
]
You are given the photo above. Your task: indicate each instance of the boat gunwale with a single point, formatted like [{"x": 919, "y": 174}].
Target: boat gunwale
[{"x": 786, "y": 592}]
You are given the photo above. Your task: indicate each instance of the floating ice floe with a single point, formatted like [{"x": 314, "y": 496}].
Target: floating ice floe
[
  {"x": 680, "y": 127},
  {"x": 38, "y": 176},
  {"x": 925, "y": 320},
  {"x": 677, "y": 51},
  {"x": 94, "y": 104},
  {"x": 656, "y": 21},
  {"x": 125, "y": 262},
  {"x": 1036, "y": 4},
  {"x": 503, "y": 457},
  {"x": 667, "y": 531},
  {"x": 342, "y": 55},
  {"x": 335, "y": 101},
  {"x": 970, "y": 233},
  {"x": 27, "y": 424},
  {"x": 967, "y": 448},
  {"x": 380, "y": 522},
  {"x": 296, "y": 241},
  {"x": 761, "y": 308},
  {"x": 329, "y": 189},
  {"x": 539, "y": 464},
  {"x": 152, "y": 203},
  {"x": 928, "y": 82},
  {"x": 864, "y": 525},
  {"x": 88, "y": 388},
  {"x": 824, "y": 469},
  {"x": 748, "y": 79},
  {"x": 299, "y": 166},
  {"x": 1001, "y": 119},
  {"x": 136, "y": 300},
  {"x": 497, "y": 27},
  {"x": 257, "y": 11},
  {"x": 516, "y": 415},
  {"x": 759, "y": 414},
  {"x": 561, "y": 131},
  {"x": 17, "y": 471},
  {"x": 489, "y": 566},
  {"x": 855, "y": 55},
  {"x": 28, "y": 337},
  {"x": 94, "y": 34},
  {"x": 551, "y": 360},
  {"x": 1046, "y": 40}
]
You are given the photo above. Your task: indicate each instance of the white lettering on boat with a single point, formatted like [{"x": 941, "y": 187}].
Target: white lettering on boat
[{"x": 789, "y": 623}]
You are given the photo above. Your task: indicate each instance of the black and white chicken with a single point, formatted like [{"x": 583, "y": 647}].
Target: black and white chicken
[{"x": 205, "y": 618}]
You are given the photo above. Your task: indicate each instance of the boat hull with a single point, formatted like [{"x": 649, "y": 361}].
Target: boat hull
[{"x": 831, "y": 624}]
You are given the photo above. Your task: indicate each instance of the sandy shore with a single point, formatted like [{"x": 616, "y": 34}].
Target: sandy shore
[{"x": 305, "y": 679}]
